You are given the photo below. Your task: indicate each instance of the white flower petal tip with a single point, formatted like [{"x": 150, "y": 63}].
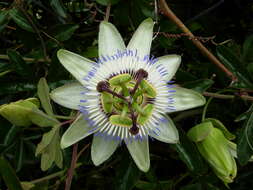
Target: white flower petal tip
[
  {"x": 186, "y": 99},
  {"x": 78, "y": 130},
  {"x": 77, "y": 65},
  {"x": 139, "y": 151},
  {"x": 166, "y": 131},
  {"x": 102, "y": 149},
  {"x": 68, "y": 95},
  {"x": 147, "y": 23},
  {"x": 142, "y": 38},
  {"x": 171, "y": 63},
  {"x": 110, "y": 40}
]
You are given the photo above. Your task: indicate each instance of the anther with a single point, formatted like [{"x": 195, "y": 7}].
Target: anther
[
  {"x": 140, "y": 74},
  {"x": 134, "y": 130},
  {"x": 102, "y": 86}
]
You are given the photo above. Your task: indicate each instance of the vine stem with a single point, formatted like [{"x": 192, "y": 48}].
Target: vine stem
[
  {"x": 107, "y": 14},
  {"x": 72, "y": 167},
  {"x": 170, "y": 14},
  {"x": 205, "y": 109},
  {"x": 224, "y": 96},
  {"x": 27, "y": 59}
]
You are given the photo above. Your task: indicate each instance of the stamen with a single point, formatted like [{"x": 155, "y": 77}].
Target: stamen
[
  {"x": 141, "y": 74},
  {"x": 103, "y": 86}
]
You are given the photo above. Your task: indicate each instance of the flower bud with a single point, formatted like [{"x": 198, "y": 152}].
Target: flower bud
[
  {"x": 17, "y": 112},
  {"x": 214, "y": 147}
]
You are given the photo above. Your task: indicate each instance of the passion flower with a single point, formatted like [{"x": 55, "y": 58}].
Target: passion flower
[{"x": 123, "y": 95}]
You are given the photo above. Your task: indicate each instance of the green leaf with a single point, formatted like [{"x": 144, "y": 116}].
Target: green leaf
[
  {"x": 24, "y": 113},
  {"x": 234, "y": 64},
  {"x": 19, "y": 65},
  {"x": 20, "y": 20},
  {"x": 27, "y": 185},
  {"x": 3, "y": 16},
  {"x": 11, "y": 135},
  {"x": 41, "y": 119},
  {"x": 15, "y": 87},
  {"x": 50, "y": 149},
  {"x": 200, "y": 85},
  {"x": 189, "y": 154},
  {"x": 16, "y": 113},
  {"x": 106, "y": 2},
  {"x": 242, "y": 116},
  {"x": 200, "y": 132},
  {"x": 127, "y": 176},
  {"x": 245, "y": 142},
  {"x": 146, "y": 185},
  {"x": 46, "y": 140},
  {"x": 19, "y": 155},
  {"x": 58, "y": 6},
  {"x": 43, "y": 93},
  {"x": 196, "y": 186},
  {"x": 9, "y": 176},
  {"x": 216, "y": 123},
  {"x": 248, "y": 49},
  {"x": 4, "y": 19},
  {"x": 64, "y": 32}
]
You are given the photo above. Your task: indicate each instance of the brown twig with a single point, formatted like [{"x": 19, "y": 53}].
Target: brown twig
[
  {"x": 72, "y": 167},
  {"x": 224, "y": 96},
  {"x": 107, "y": 14},
  {"x": 169, "y": 13}
]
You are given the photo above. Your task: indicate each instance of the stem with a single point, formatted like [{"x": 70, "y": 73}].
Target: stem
[
  {"x": 54, "y": 175},
  {"x": 223, "y": 96},
  {"x": 27, "y": 59},
  {"x": 107, "y": 14},
  {"x": 82, "y": 150},
  {"x": 64, "y": 117},
  {"x": 51, "y": 176},
  {"x": 72, "y": 167},
  {"x": 205, "y": 109},
  {"x": 170, "y": 14},
  {"x": 179, "y": 179}
]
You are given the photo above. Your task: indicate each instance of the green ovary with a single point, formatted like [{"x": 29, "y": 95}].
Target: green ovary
[{"x": 120, "y": 110}]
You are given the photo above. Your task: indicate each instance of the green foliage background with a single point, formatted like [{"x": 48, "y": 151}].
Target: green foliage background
[{"x": 31, "y": 32}]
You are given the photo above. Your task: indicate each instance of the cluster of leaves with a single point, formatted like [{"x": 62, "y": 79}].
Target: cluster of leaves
[{"x": 31, "y": 33}]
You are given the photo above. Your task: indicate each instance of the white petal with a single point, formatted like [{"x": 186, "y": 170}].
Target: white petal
[
  {"x": 139, "y": 151},
  {"x": 77, "y": 65},
  {"x": 109, "y": 40},
  {"x": 166, "y": 131},
  {"x": 102, "y": 149},
  {"x": 68, "y": 95},
  {"x": 142, "y": 38},
  {"x": 170, "y": 63},
  {"x": 186, "y": 99},
  {"x": 78, "y": 130}
]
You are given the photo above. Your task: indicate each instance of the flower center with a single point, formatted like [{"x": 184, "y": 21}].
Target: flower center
[{"x": 127, "y": 99}]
